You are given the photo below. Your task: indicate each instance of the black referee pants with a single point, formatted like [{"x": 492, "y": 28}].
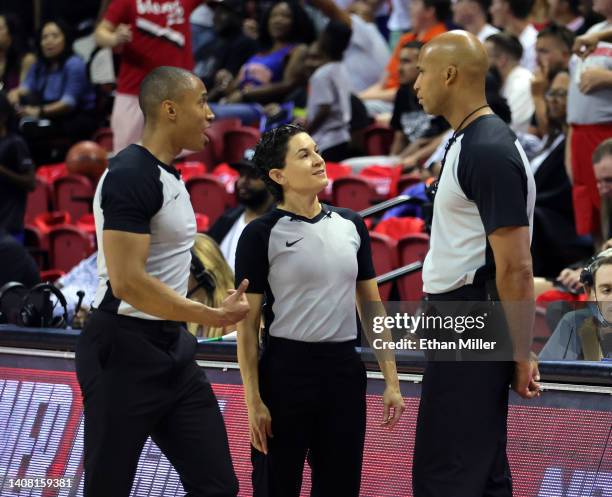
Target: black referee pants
[
  {"x": 316, "y": 396},
  {"x": 139, "y": 379},
  {"x": 461, "y": 433}
]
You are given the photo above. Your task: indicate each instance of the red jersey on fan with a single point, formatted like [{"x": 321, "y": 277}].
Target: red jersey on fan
[{"x": 161, "y": 36}]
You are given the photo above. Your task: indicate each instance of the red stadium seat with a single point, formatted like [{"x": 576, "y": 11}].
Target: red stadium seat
[
  {"x": 412, "y": 248},
  {"x": 188, "y": 169},
  {"x": 208, "y": 196},
  {"x": 352, "y": 192},
  {"x": 73, "y": 193},
  {"x": 212, "y": 154},
  {"x": 37, "y": 245},
  {"x": 236, "y": 141},
  {"x": 51, "y": 275},
  {"x": 38, "y": 200},
  {"x": 378, "y": 139},
  {"x": 68, "y": 246},
  {"x": 104, "y": 138},
  {"x": 399, "y": 227},
  {"x": 205, "y": 156},
  {"x": 384, "y": 256},
  {"x": 216, "y": 132}
]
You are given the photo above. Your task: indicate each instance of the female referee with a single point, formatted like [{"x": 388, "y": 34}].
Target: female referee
[{"x": 308, "y": 266}]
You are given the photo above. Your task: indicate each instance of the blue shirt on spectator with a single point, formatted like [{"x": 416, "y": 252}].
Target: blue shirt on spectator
[{"x": 68, "y": 83}]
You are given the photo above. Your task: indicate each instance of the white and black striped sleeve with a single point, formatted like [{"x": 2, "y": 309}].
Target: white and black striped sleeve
[
  {"x": 130, "y": 198},
  {"x": 494, "y": 177},
  {"x": 252, "y": 256}
]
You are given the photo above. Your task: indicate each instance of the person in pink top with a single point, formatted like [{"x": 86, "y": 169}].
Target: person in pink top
[{"x": 148, "y": 34}]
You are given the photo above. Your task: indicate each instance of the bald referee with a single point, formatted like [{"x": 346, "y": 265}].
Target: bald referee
[
  {"x": 479, "y": 251},
  {"x": 135, "y": 361}
]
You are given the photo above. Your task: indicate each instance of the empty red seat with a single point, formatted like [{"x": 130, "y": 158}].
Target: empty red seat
[
  {"x": 384, "y": 257},
  {"x": 353, "y": 193},
  {"x": 213, "y": 153},
  {"x": 399, "y": 227},
  {"x": 412, "y": 248},
  {"x": 36, "y": 244},
  {"x": 236, "y": 141},
  {"x": 73, "y": 193},
  {"x": 205, "y": 156},
  {"x": 202, "y": 222},
  {"x": 51, "y": 275},
  {"x": 38, "y": 200},
  {"x": 208, "y": 196},
  {"x": 68, "y": 245},
  {"x": 378, "y": 139},
  {"x": 104, "y": 138},
  {"x": 188, "y": 169},
  {"x": 50, "y": 172}
]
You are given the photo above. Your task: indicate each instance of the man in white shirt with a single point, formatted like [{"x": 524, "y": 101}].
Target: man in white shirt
[
  {"x": 513, "y": 17},
  {"x": 505, "y": 51},
  {"x": 471, "y": 15}
]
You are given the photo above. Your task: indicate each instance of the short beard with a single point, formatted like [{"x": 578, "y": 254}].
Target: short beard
[{"x": 256, "y": 200}]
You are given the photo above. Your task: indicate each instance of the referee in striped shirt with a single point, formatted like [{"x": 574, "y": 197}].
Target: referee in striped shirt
[
  {"x": 135, "y": 361},
  {"x": 479, "y": 251}
]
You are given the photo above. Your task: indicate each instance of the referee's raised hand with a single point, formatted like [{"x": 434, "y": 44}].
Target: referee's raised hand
[{"x": 235, "y": 306}]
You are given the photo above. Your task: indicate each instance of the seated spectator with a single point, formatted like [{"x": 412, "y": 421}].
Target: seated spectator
[
  {"x": 428, "y": 17},
  {"x": 254, "y": 199},
  {"x": 16, "y": 173},
  {"x": 566, "y": 13},
  {"x": 586, "y": 334},
  {"x": 15, "y": 61},
  {"x": 271, "y": 74},
  {"x": 17, "y": 264},
  {"x": 209, "y": 281},
  {"x": 512, "y": 16},
  {"x": 56, "y": 101},
  {"x": 472, "y": 15},
  {"x": 218, "y": 61},
  {"x": 366, "y": 44},
  {"x": 589, "y": 113},
  {"x": 415, "y": 131},
  {"x": 554, "y": 243},
  {"x": 329, "y": 95},
  {"x": 505, "y": 52},
  {"x": 553, "y": 51}
]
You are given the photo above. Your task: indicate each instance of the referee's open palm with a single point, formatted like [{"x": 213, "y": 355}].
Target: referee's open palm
[{"x": 235, "y": 306}]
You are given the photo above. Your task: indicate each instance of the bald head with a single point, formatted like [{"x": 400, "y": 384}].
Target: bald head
[
  {"x": 462, "y": 50},
  {"x": 452, "y": 71},
  {"x": 163, "y": 83}
]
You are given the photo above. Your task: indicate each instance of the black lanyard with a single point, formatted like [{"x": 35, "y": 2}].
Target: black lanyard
[{"x": 433, "y": 188}]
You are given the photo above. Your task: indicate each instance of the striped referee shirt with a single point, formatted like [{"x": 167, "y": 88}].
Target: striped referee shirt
[
  {"x": 307, "y": 270},
  {"x": 140, "y": 194},
  {"x": 486, "y": 184}
]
